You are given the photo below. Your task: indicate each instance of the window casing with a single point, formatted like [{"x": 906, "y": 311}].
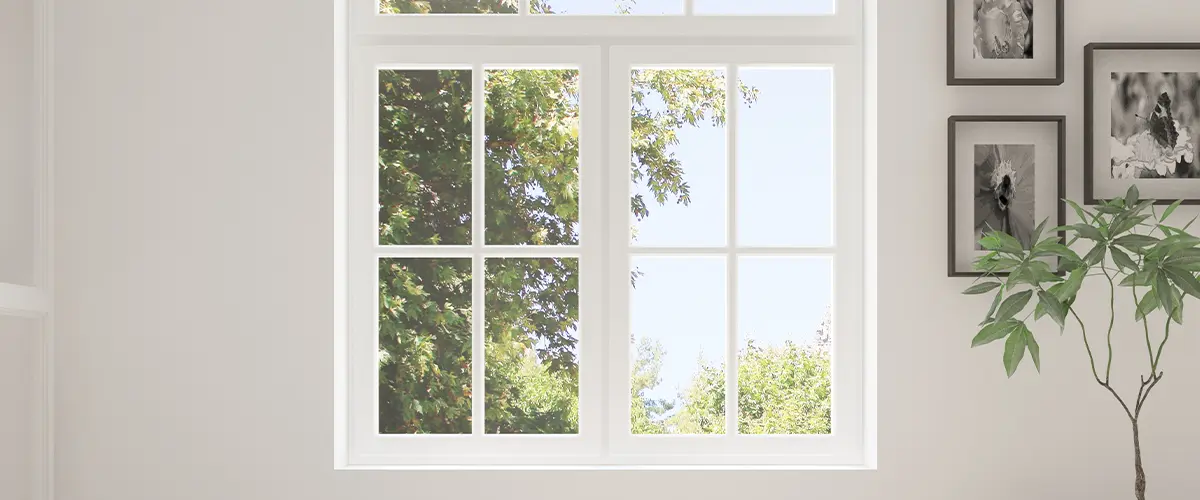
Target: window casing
[{"x": 603, "y": 49}]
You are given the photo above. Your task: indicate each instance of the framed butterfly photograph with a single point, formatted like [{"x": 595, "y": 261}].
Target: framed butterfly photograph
[
  {"x": 1006, "y": 174},
  {"x": 1142, "y": 114},
  {"x": 1004, "y": 42}
]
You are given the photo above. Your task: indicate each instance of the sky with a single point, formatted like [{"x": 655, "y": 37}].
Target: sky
[
  {"x": 808, "y": 7},
  {"x": 784, "y": 183}
]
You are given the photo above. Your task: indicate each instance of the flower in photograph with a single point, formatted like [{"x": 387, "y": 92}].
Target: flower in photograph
[
  {"x": 1003, "y": 29},
  {"x": 1004, "y": 194}
]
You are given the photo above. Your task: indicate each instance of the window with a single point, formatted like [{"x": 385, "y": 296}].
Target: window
[{"x": 566, "y": 245}]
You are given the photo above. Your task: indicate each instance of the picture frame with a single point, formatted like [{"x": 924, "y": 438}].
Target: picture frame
[
  {"x": 972, "y": 62},
  {"x": 1026, "y": 155},
  {"x": 1148, "y": 144}
]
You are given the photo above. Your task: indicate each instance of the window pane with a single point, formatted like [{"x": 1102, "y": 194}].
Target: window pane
[
  {"x": 532, "y": 316},
  {"x": 784, "y": 324},
  {"x": 677, "y": 129},
  {"x": 425, "y": 157},
  {"x": 532, "y": 177},
  {"x": 793, "y": 7},
  {"x": 785, "y": 158},
  {"x": 425, "y": 346},
  {"x": 607, "y": 6},
  {"x": 448, "y": 6},
  {"x": 678, "y": 359}
]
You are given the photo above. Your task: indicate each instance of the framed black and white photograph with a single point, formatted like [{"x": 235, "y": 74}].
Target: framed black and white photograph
[
  {"x": 1141, "y": 121},
  {"x": 1004, "y": 42},
  {"x": 1006, "y": 173}
]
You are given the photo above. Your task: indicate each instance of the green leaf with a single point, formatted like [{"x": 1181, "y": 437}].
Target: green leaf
[
  {"x": 1001, "y": 242},
  {"x": 1170, "y": 210},
  {"x": 1111, "y": 209},
  {"x": 1141, "y": 207},
  {"x": 1079, "y": 211},
  {"x": 1144, "y": 277},
  {"x": 1163, "y": 288},
  {"x": 1055, "y": 308},
  {"x": 1122, "y": 260},
  {"x": 1095, "y": 255},
  {"x": 1128, "y": 223},
  {"x": 1014, "y": 350},
  {"x": 1146, "y": 306},
  {"x": 1131, "y": 196},
  {"x": 994, "y": 332},
  {"x": 1088, "y": 232},
  {"x": 1013, "y": 305},
  {"x": 995, "y": 264},
  {"x": 1068, "y": 289},
  {"x": 1037, "y": 232},
  {"x": 983, "y": 287},
  {"x": 1176, "y": 307},
  {"x": 1017, "y": 275},
  {"x": 1135, "y": 241},
  {"x": 1172, "y": 244},
  {"x": 1035, "y": 351},
  {"x": 992, "y": 310},
  {"x": 1185, "y": 280},
  {"x": 1048, "y": 248},
  {"x": 1189, "y": 224}
]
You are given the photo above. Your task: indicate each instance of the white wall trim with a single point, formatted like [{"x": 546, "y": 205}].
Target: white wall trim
[
  {"x": 41, "y": 299},
  {"x": 25, "y": 301}
]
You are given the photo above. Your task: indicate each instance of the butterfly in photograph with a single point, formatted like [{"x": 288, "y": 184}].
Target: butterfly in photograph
[
  {"x": 1162, "y": 123},
  {"x": 1155, "y": 152}
]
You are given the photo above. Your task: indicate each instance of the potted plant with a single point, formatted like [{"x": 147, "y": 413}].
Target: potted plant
[{"x": 1152, "y": 263}]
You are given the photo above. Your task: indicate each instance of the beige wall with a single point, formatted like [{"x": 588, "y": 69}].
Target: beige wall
[{"x": 194, "y": 298}]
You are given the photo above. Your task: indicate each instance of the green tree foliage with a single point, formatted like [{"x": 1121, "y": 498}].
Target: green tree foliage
[
  {"x": 646, "y": 413},
  {"x": 782, "y": 390}
]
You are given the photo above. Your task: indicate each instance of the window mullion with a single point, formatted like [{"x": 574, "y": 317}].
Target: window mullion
[
  {"x": 478, "y": 358},
  {"x": 523, "y": 7},
  {"x": 689, "y": 7},
  {"x": 731, "y": 280}
]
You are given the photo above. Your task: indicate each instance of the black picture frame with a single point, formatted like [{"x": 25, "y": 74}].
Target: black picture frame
[
  {"x": 1060, "y": 64},
  {"x": 1089, "y": 112},
  {"x": 951, "y": 174}
]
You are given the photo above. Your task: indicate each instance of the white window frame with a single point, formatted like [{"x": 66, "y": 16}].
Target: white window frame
[
  {"x": 844, "y": 24},
  {"x": 604, "y": 49}
]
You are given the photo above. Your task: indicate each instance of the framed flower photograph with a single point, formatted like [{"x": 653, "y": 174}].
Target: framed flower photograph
[
  {"x": 1006, "y": 173},
  {"x": 1142, "y": 114},
  {"x": 1004, "y": 42}
]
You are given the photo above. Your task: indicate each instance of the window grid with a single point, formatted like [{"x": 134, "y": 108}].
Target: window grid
[{"x": 604, "y": 434}]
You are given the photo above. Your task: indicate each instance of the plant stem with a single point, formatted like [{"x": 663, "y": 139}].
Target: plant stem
[
  {"x": 1112, "y": 317},
  {"x": 1088, "y": 346},
  {"x": 1139, "y": 475},
  {"x": 1158, "y": 357}
]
